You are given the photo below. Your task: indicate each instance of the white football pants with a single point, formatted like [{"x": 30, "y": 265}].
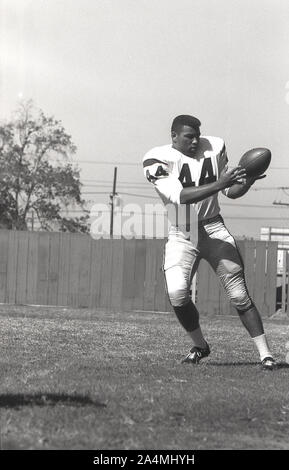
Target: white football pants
[{"x": 216, "y": 245}]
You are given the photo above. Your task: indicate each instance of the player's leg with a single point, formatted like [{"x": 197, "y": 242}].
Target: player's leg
[
  {"x": 180, "y": 264},
  {"x": 226, "y": 261},
  {"x": 252, "y": 321}
]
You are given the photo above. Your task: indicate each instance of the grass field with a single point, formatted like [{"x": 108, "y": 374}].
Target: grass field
[{"x": 81, "y": 379}]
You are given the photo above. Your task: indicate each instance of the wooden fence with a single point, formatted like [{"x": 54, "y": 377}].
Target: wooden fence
[
  {"x": 260, "y": 260},
  {"x": 75, "y": 270}
]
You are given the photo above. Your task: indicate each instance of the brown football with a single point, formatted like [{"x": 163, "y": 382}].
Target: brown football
[{"x": 256, "y": 161}]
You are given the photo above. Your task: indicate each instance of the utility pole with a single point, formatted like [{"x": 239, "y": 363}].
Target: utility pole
[{"x": 112, "y": 195}]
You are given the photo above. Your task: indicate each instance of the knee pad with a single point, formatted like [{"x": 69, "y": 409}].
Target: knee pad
[
  {"x": 179, "y": 297},
  {"x": 237, "y": 292},
  {"x": 178, "y": 285},
  {"x": 241, "y": 301}
]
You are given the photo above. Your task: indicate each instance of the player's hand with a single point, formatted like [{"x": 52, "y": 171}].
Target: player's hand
[
  {"x": 235, "y": 176},
  {"x": 251, "y": 179}
]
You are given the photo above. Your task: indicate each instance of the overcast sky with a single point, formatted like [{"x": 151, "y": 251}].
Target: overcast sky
[{"x": 116, "y": 72}]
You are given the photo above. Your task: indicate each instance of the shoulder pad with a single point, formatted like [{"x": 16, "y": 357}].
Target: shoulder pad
[{"x": 217, "y": 143}]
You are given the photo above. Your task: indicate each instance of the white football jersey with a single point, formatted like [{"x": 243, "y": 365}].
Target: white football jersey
[{"x": 170, "y": 171}]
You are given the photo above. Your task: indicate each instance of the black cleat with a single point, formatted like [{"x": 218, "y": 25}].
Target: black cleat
[
  {"x": 196, "y": 354},
  {"x": 268, "y": 363}
]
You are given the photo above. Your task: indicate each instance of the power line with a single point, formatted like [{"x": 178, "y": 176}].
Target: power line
[
  {"x": 121, "y": 182},
  {"x": 164, "y": 214},
  {"x": 255, "y": 218},
  {"x": 95, "y": 192},
  {"x": 226, "y": 216},
  {"x": 263, "y": 188},
  {"x": 93, "y": 162},
  {"x": 104, "y": 162},
  {"x": 143, "y": 187},
  {"x": 122, "y": 193},
  {"x": 87, "y": 211},
  {"x": 269, "y": 188},
  {"x": 249, "y": 205},
  {"x": 157, "y": 197},
  {"x": 133, "y": 212},
  {"x": 282, "y": 204}
]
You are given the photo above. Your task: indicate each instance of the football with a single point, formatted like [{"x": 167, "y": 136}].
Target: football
[{"x": 256, "y": 161}]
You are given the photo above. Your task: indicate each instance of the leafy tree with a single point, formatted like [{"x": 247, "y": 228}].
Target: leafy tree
[{"x": 36, "y": 173}]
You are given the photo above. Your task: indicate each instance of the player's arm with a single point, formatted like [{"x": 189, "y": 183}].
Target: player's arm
[
  {"x": 159, "y": 173},
  {"x": 227, "y": 179},
  {"x": 238, "y": 190},
  {"x": 242, "y": 186}
]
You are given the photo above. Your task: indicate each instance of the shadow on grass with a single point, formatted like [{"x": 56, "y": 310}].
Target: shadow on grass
[
  {"x": 237, "y": 364},
  {"x": 282, "y": 365},
  {"x": 279, "y": 365},
  {"x": 47, "y": 399}
]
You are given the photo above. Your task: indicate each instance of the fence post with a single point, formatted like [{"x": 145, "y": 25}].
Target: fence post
[
  {"x": 287, "y": 279},
  {"x": 284, "y": 275}
]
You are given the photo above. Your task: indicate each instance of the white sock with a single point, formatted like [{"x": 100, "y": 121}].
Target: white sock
[
  {"x": 197, "y": 338},
  {"x": 262, "y": 346}
]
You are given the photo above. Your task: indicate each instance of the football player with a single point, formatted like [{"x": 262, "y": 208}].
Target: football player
[{"x": 190, "y": 172}]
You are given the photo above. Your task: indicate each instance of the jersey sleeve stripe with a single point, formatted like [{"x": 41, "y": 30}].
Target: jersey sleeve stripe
[{"x": 151, "y": 161}]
